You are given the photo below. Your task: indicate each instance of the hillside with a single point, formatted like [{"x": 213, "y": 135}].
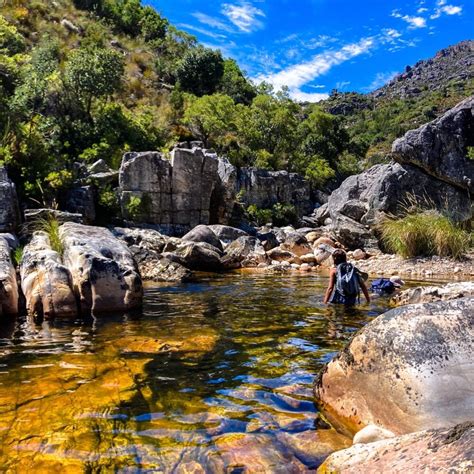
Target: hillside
[
  {"x": 421, "y": 93},
  {"x": 82, "y": 80}
]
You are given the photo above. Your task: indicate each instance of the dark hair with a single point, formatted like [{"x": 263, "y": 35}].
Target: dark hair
[{"x": 339, "y": 256}]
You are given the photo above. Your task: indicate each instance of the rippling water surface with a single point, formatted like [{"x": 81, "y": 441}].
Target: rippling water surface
[{"x": 214, "y": 376}]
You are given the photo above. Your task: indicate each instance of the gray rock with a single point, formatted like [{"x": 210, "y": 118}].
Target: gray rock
[
  {"x": 245, "y": 251},
  {"x": 203, "y": 233},
  {"x": 439, "y": 148},
  {"x": 8, "y": 281},
  {"x": 165, "y": 269},
  {"x": 70, "y": 26},
  {"x": 297, "y": 244},
  {"x": 361, "y": 200},
  {"x": 82, "y": 201},
  {"x": 33, "y": 217},
  {"x": 409, "y": 369},
  {"x": 99, "y": 166},
  {"x": 9, "y": 209},
  {"x": 103, "y": 271},
  {"x": 427, "y": 294},
  {"x": 200, "y": 256},
  {"x": 45, "y": 281},
  {"x": 226, "y": 233},
  {"x": 440, "y": 450},
  {"x": 268, "y": 239}
]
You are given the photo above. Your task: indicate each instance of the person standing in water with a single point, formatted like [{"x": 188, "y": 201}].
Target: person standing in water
[{"x": 345, "y": 282}]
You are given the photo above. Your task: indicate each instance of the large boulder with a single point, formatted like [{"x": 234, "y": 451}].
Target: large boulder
[
  {"x": 146, "y": 176},
  {"x": 81, "y": 200},
  {"x": 439, "y": 148},
  {"x": 297, "y": 244},
  {"x": 440, "y": 450},
  {"x": 9, "y": 209},
  {"x": 358, "y": 205},
  {"x": 410, "y": 369},
  {"x": 202, "y": 233},
  {"x": 8, "y": 281},
  {"x": 103, "y": 271},
  {"x": 45, "y": 281}
]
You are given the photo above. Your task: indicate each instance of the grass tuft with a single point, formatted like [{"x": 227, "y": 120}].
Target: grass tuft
[
  {"x": 425, "y": 233},
  {"x": 50, "y": 225}
]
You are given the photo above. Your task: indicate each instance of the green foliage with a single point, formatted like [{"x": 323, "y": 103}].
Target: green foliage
[
  {"x": 138, "y": 208},
  {"x": 108, "y": 204},
  {"x": 200, "y": 71},
  {"x": 93, "y": 73},
  {"x": 11, "y": 41},
  {"x": 319, "y": 172},
  {"x": 470, "y": 152},
  {"x": 425, "y": 233},
  {"x": 280, "y": 214},
  {"x": 152, "y": 25},
  {"x": 17, "y": 255},
  {"x": 258, "y": 216},
  {"x": 59, "y": 180},
  {"x": 51, "y": 226},
  {"x": 235, "y": 85}
]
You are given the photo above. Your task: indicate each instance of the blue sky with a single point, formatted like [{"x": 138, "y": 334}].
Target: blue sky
[{"x": 313, "y": 46}]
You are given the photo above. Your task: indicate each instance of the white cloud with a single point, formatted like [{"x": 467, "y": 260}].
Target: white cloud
[
  {"x": 422, "y": 10},
  {"x": 202, "y": 31},
  {"x": 244, "y": 16},
  {"x": 342, "y": 85},
  {"x": 413, "y": 21},
  {"x": 381, "y": 78},
  {"x": 212, "y": 22},
  {"x": 445, "y": 9},
  {"x": 298, "y": 75},
  {"x": 301, "y": 96}
]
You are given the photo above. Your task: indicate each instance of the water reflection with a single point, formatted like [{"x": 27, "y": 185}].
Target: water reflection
[{"x": 215, "y": 375}]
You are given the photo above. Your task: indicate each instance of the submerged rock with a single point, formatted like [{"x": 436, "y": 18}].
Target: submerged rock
[
  {"x": 103, "y": 271},
  {"x": 8, "y": 281},
  {"x": 415, "y": 356},
  {"x": 45, "y": 281},
  {"x": 441, "y": 450}
]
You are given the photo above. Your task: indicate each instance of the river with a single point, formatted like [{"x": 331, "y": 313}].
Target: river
[{"x": 212, "y": 376}]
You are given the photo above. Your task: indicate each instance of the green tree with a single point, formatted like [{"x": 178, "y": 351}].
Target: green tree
[
  {"x": 210, "y": 119},
  {"x": 92, "y": 74},
  {"x": 235, "y": 84},
  {"x": 153, "y": 25},
  {"x": 200, "y": 71},
  {"x": 11, "y": 41}
]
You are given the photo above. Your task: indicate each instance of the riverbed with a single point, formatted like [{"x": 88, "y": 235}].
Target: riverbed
[{"x": 212, "y": 376}]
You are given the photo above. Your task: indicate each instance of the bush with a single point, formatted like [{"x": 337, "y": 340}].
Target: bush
[
  {"x": 259, "y": 216},
  {"x": 425, "y": 233}
]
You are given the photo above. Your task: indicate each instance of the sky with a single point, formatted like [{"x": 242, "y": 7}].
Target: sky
[{"x": 315, "y": 46}]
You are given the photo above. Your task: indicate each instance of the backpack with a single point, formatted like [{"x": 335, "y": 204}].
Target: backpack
[
  {"x": 347, "y": 282},
  {"x": 382, "y": 286}
]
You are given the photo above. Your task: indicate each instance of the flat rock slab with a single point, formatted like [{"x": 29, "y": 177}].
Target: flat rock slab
[
  {"x": 408, "y": 370},
  {"x": 104, "y": 274},
  {"x": 45, "y": 281},
  {"x": 442, "y": 450},
  {"x": 427, "y": 294},
  {"x": 8, "y": 283}
]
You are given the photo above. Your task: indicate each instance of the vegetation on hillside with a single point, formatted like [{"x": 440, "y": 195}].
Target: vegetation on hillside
[{"x": 87, "y": 79}]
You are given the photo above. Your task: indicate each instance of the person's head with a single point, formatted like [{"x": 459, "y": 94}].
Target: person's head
[{"x": 339, "y": 256}]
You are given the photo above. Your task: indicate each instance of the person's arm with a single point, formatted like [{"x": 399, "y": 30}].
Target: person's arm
[
  {"x": 332, "y": 283},
  {"x": 364, "y": 290}
]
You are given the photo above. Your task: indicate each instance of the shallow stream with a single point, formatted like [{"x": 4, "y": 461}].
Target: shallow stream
[{"x": 214, "y": 376}]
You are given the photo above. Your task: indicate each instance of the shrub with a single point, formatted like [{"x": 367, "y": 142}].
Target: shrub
[
  {"x": 259, "y": 216},
  {"x": 284, "y": 214},
  {"x": 17, "y": 255},
  {"x": 424, "y": 233}
]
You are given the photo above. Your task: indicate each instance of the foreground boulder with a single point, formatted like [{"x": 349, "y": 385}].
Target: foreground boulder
[
  {"x": 202, "y": 233},
  {"x": 9, "y": 209},
  {"x": 200, "y": 256},
  {"x": 408, "y": 370},
  {"x": 441, "y": 450},
  {"x": 103, "y": 271},
  {"x": 8, "y": 283},
  {"x": 439, "y": 148},
  {"x": 46, "y": 283}
]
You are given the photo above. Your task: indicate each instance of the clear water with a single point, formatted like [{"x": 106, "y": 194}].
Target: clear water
[{"x": 214, "y": 376}]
